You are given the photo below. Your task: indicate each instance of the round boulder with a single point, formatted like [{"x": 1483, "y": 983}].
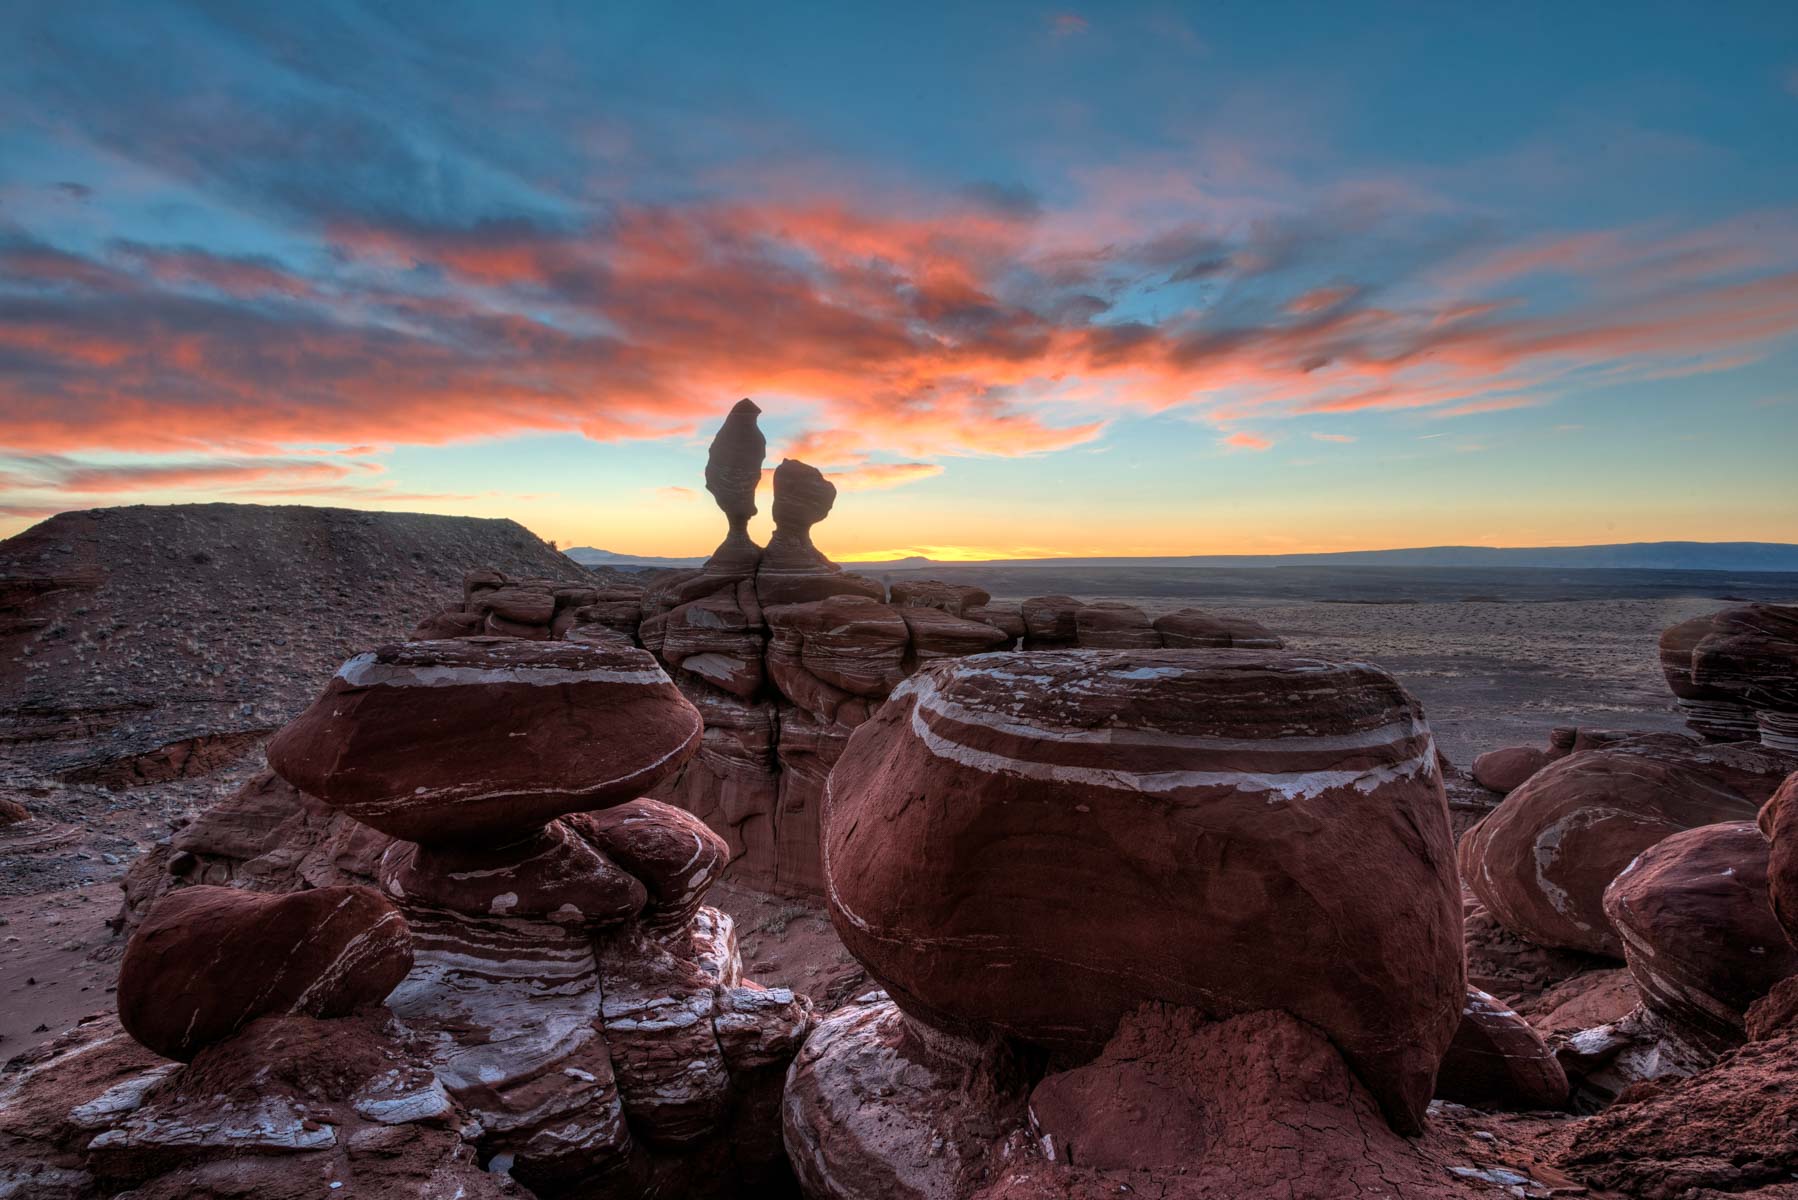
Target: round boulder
[
  {"x": 1778, "y": 822},
  {"x": 1037, "y": 843},
  {"x": 1698, "y": 931},
  {"x": 1541, "y": 860},
  {"x": 209, "y": 960},
  {"x": 486, "y": 737}
]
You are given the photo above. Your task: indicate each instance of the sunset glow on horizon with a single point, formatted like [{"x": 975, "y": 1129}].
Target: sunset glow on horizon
[{"x": 1025, "y": 281}]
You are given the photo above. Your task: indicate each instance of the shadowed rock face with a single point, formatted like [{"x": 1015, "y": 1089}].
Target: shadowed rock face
[
  {"x": 568, "y": 1006},
  {"x": 1542, "y": 859},
  {"x": 209, "y": 960},
  {"x": 1036, "y": 843}
]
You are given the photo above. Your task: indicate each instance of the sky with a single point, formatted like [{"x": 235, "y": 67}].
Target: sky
[{"x": 1022, "y": 279}]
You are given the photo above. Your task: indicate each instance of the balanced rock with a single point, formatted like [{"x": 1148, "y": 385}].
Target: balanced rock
[
  {"x": 1197, "y": 629},
  {"x": 1114, "y": 625},
  {"x": 672, "y": 852},
  {"x": 466, "y": 740},
  {"x": 209, "y": 960},
  {"x": 1541, "y": 860},
  {"x": 1698, "y": 932},
  {"x": 1034, "y": 844},
  {"x": 1498, "y": 1059},
  {"x": 733, "y": 471}
]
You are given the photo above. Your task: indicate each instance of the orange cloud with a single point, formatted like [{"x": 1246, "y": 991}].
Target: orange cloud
[{"x": 1244, "y": 440}]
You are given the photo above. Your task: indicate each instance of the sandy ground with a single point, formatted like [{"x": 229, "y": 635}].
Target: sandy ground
[{"x": 1489, "y": 674}]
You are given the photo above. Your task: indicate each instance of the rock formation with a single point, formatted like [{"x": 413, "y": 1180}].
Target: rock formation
[
  {"x": 1498, "y": 1058},
  {"x": 1778, "y": 821},
  {"x": 1541, "y": 860},
  {"x": 1698, "y": 931},
  {"x": 564, "y": 1010},
  {"x": 733, "y": 471},
  {"x": 209, "y": 960},
  {"x": 1067, "y": 869},
  {"x": 1735, "y": 673}
]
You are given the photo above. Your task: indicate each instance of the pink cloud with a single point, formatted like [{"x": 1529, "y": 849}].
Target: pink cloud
[{"x": 1243, "y": 440}]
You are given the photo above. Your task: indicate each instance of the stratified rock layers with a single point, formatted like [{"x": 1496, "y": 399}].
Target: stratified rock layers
[{"x": 1037, "y": 843}]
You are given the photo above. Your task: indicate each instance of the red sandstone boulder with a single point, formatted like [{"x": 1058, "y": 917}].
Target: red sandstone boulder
[
  {"x": 671, "y": 851},
  {"x": 1196, "y": 629},
  {"x": 953, "y": 598},
  {"x": 1037, "y": 843},
  {"x": 1736, "y": 672},
  {"x": 879, "y": 1106},
  {"x": 466, "y": 740},
  {"x": 935, "y": 634},
  {"x": 1697, "y": 930},
  {"x": 719, "y": 638},
  {"x": 1541, "y": 860},
  {"x": 1253, "y": 1108},
  {"x": 1504, "y": 771},
  {"x": 553, "y": 874},
  {"x": 208, "y": 960},
  {"x": 1778, "y": 821},
  {"x": 830, "y": 651},
  {"x": 1114, "y": 625},
  {"x": 1007, "y": 618},
  {"x": 12, "y": 812},
  {"x": 1049, "y": 620},
  {"x": 1498, "y": 1059}
]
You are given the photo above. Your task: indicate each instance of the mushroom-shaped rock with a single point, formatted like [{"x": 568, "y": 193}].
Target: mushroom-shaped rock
[
  {"x": 1049, "y": 620},
  {"x": 1778, "y": 822},
  {"x": 1114, "y": 625},
  {"x": 733, "y": 470},
  {"x": 1698, "y": 932},
  {"x": 1498, "y": 1059},
  {"x": 1541, "y": 860},
  {"x": 209, "y": 960},
  {"x": 1036, "y": 843},
  {"x": 792, "y": 570},
  {"x": 1196, "y": 629},
  {"x": 472, "y": 739}
]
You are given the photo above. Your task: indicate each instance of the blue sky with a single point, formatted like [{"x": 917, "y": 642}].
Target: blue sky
[{"x": 1022, "y": 278}]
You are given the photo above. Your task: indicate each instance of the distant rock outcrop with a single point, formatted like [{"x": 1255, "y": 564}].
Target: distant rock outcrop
[{"x": 785, "y": 654}]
